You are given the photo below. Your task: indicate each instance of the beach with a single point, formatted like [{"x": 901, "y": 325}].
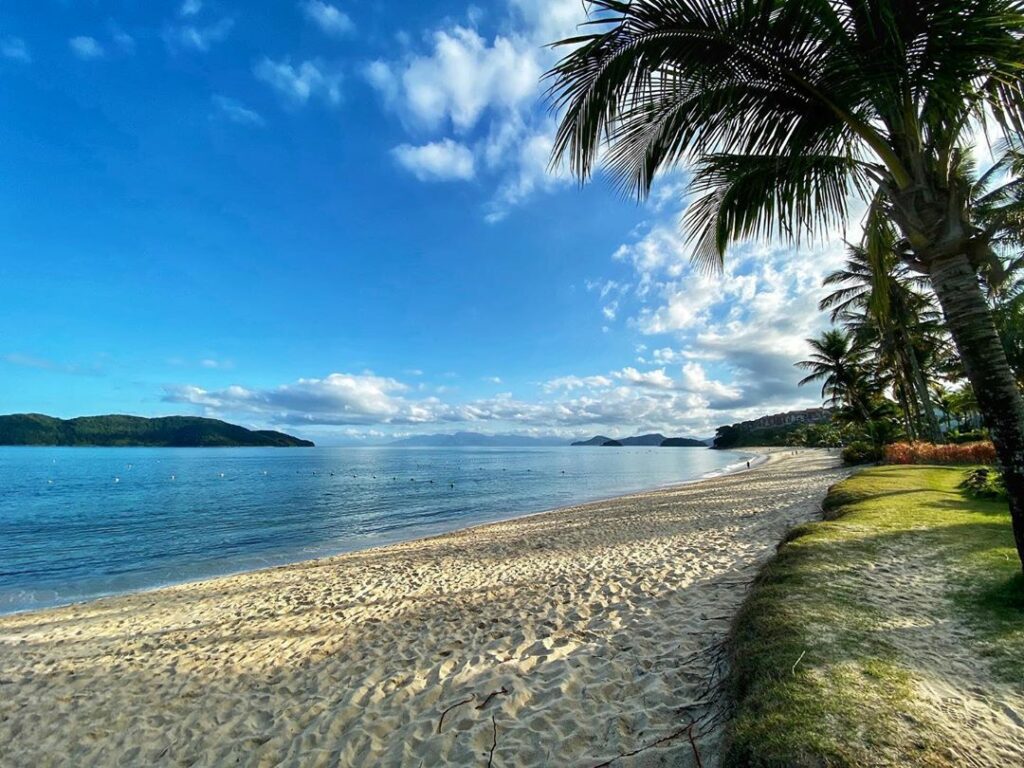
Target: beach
[{"x": 585, "y": 636}]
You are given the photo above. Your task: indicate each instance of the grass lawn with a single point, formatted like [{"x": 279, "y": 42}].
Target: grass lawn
[{"x": 909, "y": 583}]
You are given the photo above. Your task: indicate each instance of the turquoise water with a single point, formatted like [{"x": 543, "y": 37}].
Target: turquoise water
[{"x": 77, "y": 523}]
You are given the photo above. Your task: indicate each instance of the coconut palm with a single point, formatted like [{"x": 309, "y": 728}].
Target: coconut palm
[
  {"x": 884, "y": 305},
  {"x": 837, "y": 364},
  {"x": 784, "y": 110}
]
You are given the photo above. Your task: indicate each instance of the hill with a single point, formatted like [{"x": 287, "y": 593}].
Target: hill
[
  {"x": 168, "y": 431},
  {"x": 596, "y": 440},
  {"x": 654, "y": 439},
  {"x": 683, "y": 442},
  {"x": 774, "y": 430},
  {"x": 475, "y": 440}
]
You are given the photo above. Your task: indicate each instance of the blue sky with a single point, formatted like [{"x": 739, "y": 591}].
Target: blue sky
[{"x": 337, "y": 219}]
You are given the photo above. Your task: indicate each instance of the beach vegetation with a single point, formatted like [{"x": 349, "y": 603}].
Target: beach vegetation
[
  {"x": 982, "y": 452},
  {"x": 985, "y": 483},
  {"x": 826, "y": 652},
  {"x": 862, "y": 452}
]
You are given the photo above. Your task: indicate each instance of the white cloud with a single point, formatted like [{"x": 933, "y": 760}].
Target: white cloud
[
  {"x": 190, "y": 7},
  {"x": 526, "y": 171},
  {"x": 685, "y": 401},
  {"x": 493, "y": 379},
  {"x": 550, "y": 20},
  {"x": 329, "y": 18},
  {"x": 750, "y": 321},
  {"x": 197, "y": 38},
  {"x": 237, "y": 112},
  {"x": 461, "y": 78},
  {"x": 85, "y": 47},
  {"x": 485, "y": 92},
  {"x": 16, "y": 49},
  {"x": 656, "y": 379},
  {"x": 336, "y": 399},
  {"x": 569, "y": 383},
  {"x": 299, "y": 84},
  {"x": 445, "y": 160}
]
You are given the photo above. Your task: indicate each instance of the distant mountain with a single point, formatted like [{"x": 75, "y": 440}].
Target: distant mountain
[
  {"x": 655, "y": 439},
  {"x": 168, "y": 431},
  {"x": 475, "y": 440},
  {"x": 648, "y": 440},
  {"x": 611, "y": 444},
  {"x": 596, "y": 440}
]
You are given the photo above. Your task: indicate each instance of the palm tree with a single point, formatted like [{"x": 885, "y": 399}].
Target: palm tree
[
  {"x": 836, "y": 363},
  {"x": 886, "y": 308},
  {"x": 783, "y": 110},
  {"x": 1000, "y": 204}
]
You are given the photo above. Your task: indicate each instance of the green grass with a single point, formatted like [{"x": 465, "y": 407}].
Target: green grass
[{"x": 821, "y": 671}]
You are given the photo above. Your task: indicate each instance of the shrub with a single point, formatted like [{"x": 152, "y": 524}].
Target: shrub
[
  {"x": 982, "y": 452},
  {"x": 861, "y": 453},
  {"x": 973, "y": 436},
  {"x": 985, "y": 483}
]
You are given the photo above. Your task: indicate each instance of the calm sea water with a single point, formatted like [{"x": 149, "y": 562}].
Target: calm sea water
[{"x": 77, "y": 523}]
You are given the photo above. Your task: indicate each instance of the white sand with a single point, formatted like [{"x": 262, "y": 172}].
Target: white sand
[{"x": 584, "y": 620}]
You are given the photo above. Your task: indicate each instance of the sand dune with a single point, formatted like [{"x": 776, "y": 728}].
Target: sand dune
[{"x": 563, "y": 639}]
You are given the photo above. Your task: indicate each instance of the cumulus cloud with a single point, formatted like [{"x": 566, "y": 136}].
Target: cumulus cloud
[
  {"x": 16, "y": 49},
  {"x": 460, "y": 78},
  {"x": 485, "y": 92},
  {"x": 85, "y": 47},
  {"x": 749, "y": 322},
  {"x": 190, "y": 7},
  {"x": 237, "y": 112},
  {"x": 329, "y": 18},
  {"x": 445, "y": 160},
  {"x": 301, "y": 83},
  {"x": 623, "y": 401},
  {"x": 335, "y": 399}
]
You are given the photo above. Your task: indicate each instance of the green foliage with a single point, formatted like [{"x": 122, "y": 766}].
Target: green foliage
[
  {"x": 862, "y": 453},
  {"x": 959, "y": 437},
  {"x": 819, "y": 676},
  {"x": 985, "y": 483},
  {"x": 172, "y": 431},
  {"x": 734, "y": 437}
]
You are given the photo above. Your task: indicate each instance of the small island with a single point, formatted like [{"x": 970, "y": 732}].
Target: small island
[
  {"x": 137, "y": 431},
  {"x": 656, "y": 440}
]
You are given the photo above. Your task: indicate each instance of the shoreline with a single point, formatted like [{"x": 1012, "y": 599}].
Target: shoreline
[
  {"x": 571, "y": 636},
  {"x": 761, "y": 456}
]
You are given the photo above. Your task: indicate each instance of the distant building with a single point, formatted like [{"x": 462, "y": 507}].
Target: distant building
[{"x": 806, "y": 416}]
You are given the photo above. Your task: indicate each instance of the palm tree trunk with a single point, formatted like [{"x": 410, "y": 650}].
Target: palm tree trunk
[
  {"x": 969, "y": 319},
  {"x": 921, "y": 385}
]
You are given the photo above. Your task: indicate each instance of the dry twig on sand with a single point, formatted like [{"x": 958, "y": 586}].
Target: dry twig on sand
[
  {"x": 494, "y": 742},
  {"x": 652, "y": 745},
  {"x": 503, "y": 691},
  {"x": 453, "y": 706}
]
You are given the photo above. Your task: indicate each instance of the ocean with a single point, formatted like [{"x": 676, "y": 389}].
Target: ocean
[{"x": 78, "y": 523}]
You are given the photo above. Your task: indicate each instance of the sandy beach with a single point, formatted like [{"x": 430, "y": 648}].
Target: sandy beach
[{"x": 579, "y": 637}]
